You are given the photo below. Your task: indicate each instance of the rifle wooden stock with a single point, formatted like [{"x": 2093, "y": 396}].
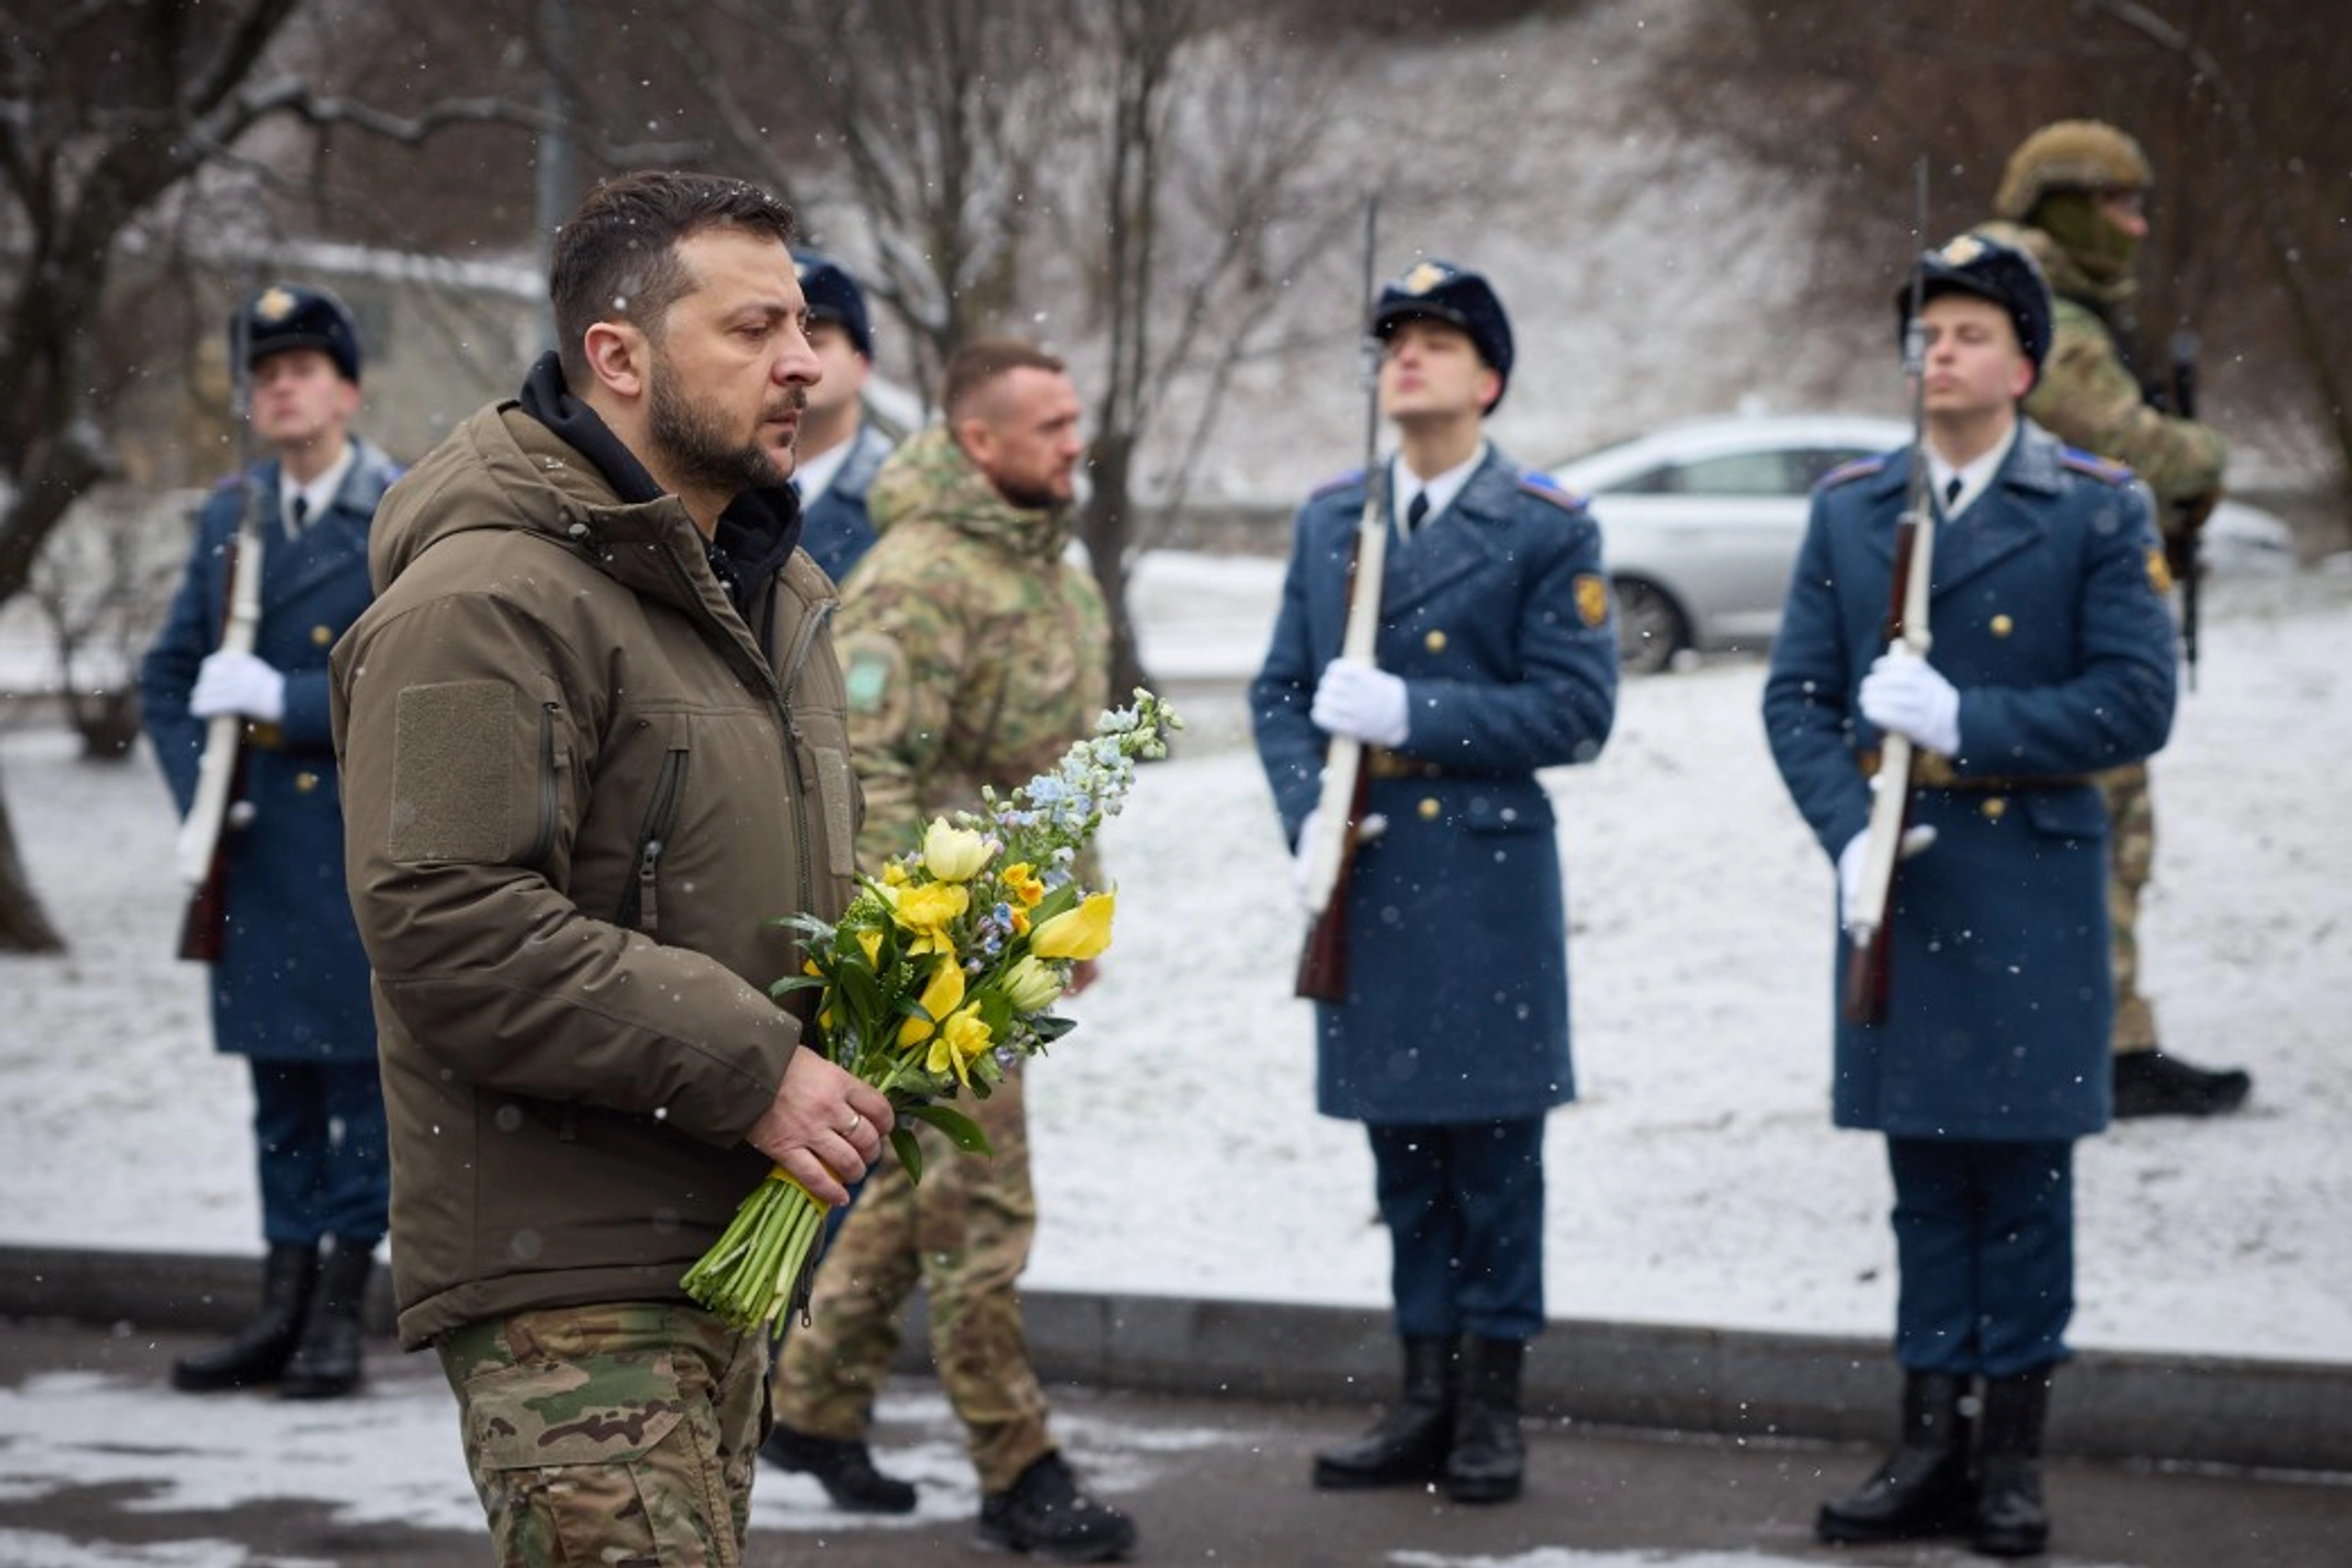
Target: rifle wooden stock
[
  {"x": 1323, "y": 962},
  {"x": 202, "y": 852}
]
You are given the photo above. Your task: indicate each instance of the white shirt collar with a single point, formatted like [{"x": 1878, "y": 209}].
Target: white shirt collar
[
  {"x": 319, "y": 493},
  {"x": 814, "y": 476},
  {"x": 1974, "y": 478},
  {"x": 1404, "y": 484}
]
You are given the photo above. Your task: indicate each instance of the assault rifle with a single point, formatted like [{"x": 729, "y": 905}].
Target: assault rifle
[
  {"x": 1330, "y": 851},
  {"x": 1907, "y": 626},
  {"x": 202, "y": 854},
  {"x": 2183, "y": 403}
]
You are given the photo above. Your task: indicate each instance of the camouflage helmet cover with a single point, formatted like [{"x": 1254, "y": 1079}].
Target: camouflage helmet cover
[{"x": 2072, "y": 154}]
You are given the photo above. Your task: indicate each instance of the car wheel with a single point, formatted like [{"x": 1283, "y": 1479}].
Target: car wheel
[{"x": 1651, "y": 628}]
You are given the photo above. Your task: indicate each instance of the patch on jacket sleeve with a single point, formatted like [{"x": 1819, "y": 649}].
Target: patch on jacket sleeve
[
  {"x": 871, "y": 668},
  {"x": 1592, "y": 598},
  {"x": 452, "y": 746},
  {"x": 1860, "y": 467},
  {"x": 2159, "y": 570},
  {"x": 2106, "y": 470}
]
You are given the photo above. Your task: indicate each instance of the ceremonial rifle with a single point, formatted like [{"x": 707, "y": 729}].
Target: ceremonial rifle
[
  {"x": 1330, "y": 849},
  {"x": 1907, "y": 626},
  {"x": 202, "y": 854},
  {"x": 2183, "y": 403}
]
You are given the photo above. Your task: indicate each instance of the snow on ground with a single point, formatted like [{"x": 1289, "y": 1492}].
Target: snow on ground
[{"x": 1697, "y": 1181}]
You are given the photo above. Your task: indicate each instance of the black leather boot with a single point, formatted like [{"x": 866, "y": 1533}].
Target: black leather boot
[
  {"x": 1489, "y": 1458},
  {"x": 1409, "y": 1445},
  {"x": 326, "y": 1362},
  {"x": 1922, "y": 1489},
  {"x": 2010, "y": 1518},
  {"x": 843, "y": 1467},
  {"x": 257, "y": 1353}
]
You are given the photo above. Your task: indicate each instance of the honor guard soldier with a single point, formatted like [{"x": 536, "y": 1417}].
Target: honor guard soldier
[
  {"x": 1494, "y": 658},
  {"x": 2074, "y": 197},
  {"x": 839, "y": 450},
  {"x": 2052, "y": 661},
  {"x": 289, "y": 982}
]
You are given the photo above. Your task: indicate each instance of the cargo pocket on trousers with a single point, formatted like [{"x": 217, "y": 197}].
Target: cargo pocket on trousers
[{"x": 629, "y": 1484}]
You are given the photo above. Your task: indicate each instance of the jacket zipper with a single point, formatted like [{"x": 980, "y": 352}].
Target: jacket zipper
[
  {"x": 640, "y": 906},
  {"x": 543, "y": 840}
]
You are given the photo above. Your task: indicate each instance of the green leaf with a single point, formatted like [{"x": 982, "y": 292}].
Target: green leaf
[
  {"x": 1050, "y": 1027},
  {"x": 961, "y": 1130},
  {"x": 910, "y": 1153}
]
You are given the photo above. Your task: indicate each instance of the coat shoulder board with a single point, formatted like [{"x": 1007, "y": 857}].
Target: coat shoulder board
[
  {"x": 1860, "y": 467},
  {"x": 1337, "y": 483},
  {"x": 1544, "y": 487},
  {"x": 2106, "y": 470}
]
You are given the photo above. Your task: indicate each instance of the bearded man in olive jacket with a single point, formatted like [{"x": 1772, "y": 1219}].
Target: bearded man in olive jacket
[{"x": 594, "y": 743}]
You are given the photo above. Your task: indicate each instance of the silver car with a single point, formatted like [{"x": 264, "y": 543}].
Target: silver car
[{"x": 1700, "y": 524}]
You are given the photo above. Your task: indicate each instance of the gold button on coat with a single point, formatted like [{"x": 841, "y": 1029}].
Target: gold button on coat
[
  {"x": 1434, "y": 642},
  {"x": 306, "y": 782},
  {"x": 1430, "y": 808},
  {"x": 2002, "y": 625},
  {"x": 1994, "y": 807}
]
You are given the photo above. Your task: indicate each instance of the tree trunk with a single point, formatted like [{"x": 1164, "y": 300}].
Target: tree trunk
[
  {"x": 1105, "y": 527},
  {"x": 24, "y": 925}
]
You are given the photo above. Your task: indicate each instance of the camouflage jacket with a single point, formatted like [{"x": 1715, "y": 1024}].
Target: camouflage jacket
[
  {"x": 2088, "y": 398},
  {"x": 974, "y": 649}
]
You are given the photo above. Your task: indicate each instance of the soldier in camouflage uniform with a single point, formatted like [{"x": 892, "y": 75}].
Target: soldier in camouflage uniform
[
  {"x": 2074, "y": 197},
  {"x": 974, "y": 653}
]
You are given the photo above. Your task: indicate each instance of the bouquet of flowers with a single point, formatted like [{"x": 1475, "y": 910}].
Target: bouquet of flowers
[{"x": 937, "y": 978}]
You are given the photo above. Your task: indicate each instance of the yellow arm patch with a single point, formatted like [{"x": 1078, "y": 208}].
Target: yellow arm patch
[
  {"x": 2159, "y": 571},
  {"x": 1592, "y": 598}
]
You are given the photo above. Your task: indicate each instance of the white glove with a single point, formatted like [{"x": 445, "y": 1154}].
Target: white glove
[
  {"x": 238, "y": 684},
  {"x": 1904, "y": 693},
  {"x": 1849, "y": 866},
  {"x": 1361, "y": 701}
]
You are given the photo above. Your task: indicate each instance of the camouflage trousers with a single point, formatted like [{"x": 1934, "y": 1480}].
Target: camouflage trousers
[
  {"x": 964, "y": 1232},
  {"x": 619, "y": 1434},
  {"x": 2132, "y": 855}
]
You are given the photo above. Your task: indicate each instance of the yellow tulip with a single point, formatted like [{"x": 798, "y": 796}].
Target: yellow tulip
[
  {"x": 1083, "y": 932},
  {"x": 959, "y": 1045},
  {"x": 928, "y": 911},
  {"x": 1031, "y": 987},
  {"x": 953, "y": 854},
  {"x": 942, "y": 994},
  {"x": 870, "y": 941}
]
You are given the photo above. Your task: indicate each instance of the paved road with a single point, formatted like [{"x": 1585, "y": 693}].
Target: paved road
[{"x": 99, "y": 1464}]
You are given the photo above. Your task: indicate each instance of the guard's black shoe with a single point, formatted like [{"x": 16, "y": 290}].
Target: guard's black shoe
[
  {"x": 1923, "y": 1488},
  {"x": 259, "y": 1352},
  {"x": 2154, "y": 1083},
  {"x": 1408, "y": 1446},
  {"x": 843, "y": 1468},
  {"x": 1045, "y": 1515}
]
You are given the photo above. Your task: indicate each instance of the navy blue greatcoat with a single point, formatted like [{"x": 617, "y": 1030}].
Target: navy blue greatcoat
[
  {"x": 291, "y": 982},
  {"x": 2048, "y": 614},
  {"x": 834, "y": 529},
  {"x": 1495, "y": 614}
]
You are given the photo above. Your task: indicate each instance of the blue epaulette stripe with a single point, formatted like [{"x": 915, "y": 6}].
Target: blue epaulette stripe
[
  {"x": 1858, "y": 468},
  {"x": 2091, "y": 463},
  {"x": 1353, "y": 476}
]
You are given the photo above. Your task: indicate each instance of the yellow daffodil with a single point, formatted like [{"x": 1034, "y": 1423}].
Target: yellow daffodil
[
  {"x": 958, "y": 1045},
  {"x": 942, "y": 994},
  {"x": 1031, "y": 987},
  {"x": 928, "y": 911},
  {"x": 894, "y": 874},
  {"x": 1020, "y": 882},
  {"x": 870, "y": 941},
  {"x": 1083, "y": 932},
  {"x": 953, "y": 854}
]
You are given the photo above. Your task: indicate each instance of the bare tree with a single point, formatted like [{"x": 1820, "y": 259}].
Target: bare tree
[{"x": 110, "y": 113}]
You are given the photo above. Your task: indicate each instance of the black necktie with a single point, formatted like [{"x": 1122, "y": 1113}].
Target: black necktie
[
  {"x": 1416, "y": 509},
  {"x": 1951, "y": 492},
  {"x": 296, "y": 516}
]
